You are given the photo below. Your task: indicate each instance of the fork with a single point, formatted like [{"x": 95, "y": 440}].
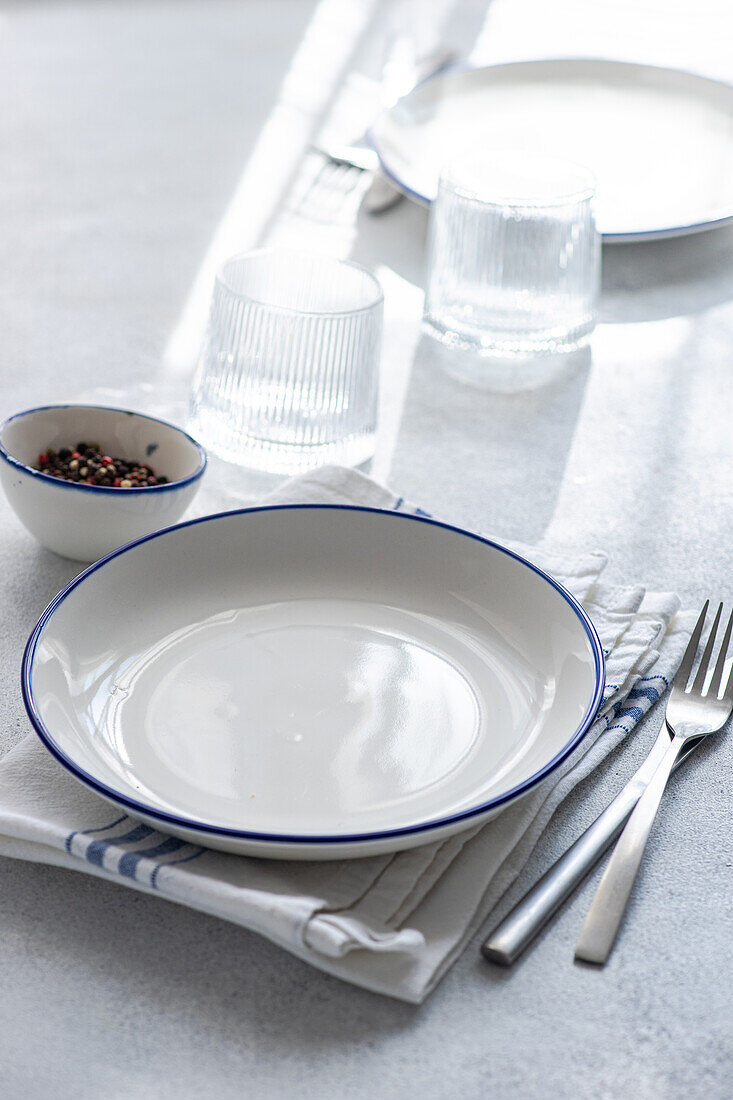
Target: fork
[
  {"x": 692, "y": 712},
  {"x": 381, "y": 194}
]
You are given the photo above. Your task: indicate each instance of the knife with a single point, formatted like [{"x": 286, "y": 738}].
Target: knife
[{"x": 530, "y": 915}]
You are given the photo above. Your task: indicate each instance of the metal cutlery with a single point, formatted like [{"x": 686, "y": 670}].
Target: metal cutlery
[
  {"x": 382, "y": 195},
  {"x": 513, "y": 935},
  {"x": 692, "y": 713}
]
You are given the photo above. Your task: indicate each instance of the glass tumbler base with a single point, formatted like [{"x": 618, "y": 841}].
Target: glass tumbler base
[
  {"x": 281, "y": 458},
  {"x": 502, "y": 345}
]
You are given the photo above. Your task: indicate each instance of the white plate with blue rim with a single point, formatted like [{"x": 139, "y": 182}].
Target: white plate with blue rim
[
  {"x": 658, "y": 141},
  {"x": 312, "y": 681}
]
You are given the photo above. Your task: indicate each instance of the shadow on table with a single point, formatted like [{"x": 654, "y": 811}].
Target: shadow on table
[
  {"x": 505, "y": 426},
  {"x": 395, "y": 240},
  {"x": 512, "y": 448},
  {"x": 654, "y": 280},
  {"x": 505, "y": 430}
]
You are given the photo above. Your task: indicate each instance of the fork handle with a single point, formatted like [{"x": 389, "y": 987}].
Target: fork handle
[{"x": 601, "y": 926}]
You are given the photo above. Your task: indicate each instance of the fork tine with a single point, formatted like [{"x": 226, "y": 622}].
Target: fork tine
[
  {"x": 707, "y": 654},
  {"x": 720, "y": 664},
  {"x": 728, "y": 693},
  {"x": 727, "y": 696},
  {"x": 683, "y": 673}
]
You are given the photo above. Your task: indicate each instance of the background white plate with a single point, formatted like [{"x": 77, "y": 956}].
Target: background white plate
[
  {"x": 659, "y": 141},
  {"x": 312, "y": 681}
]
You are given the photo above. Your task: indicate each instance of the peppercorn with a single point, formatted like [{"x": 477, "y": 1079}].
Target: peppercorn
[{"x": 87, "y": 464}]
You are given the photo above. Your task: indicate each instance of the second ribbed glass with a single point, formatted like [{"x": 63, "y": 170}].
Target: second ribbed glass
[
  {"x": 288, "y": 375},
  {"x": 513, "y": 256}
]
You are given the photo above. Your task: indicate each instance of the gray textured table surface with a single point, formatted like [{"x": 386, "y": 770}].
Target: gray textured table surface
[{"x": 123, "y": 129}]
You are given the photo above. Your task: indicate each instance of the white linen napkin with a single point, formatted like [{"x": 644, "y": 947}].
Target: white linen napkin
[{"x": 391, "y": 923}]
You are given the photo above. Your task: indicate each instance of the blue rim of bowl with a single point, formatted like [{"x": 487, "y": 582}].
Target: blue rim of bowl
[
  {"x": 299, "y": 838},
  {"x": 623, "y": 237},
  {"x": 97, "y": 489}
]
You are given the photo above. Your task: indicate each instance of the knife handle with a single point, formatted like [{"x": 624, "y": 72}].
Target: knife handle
[{"x": 510, "y": 938}]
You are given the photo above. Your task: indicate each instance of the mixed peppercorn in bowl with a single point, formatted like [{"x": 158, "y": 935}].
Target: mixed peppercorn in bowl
[
  {"x": 85, "y": 479},
  {"x": 85, "y": 462}
]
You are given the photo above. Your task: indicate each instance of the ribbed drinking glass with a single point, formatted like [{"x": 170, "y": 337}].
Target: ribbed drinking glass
[
  {"x": 513, "y": 255},
  {"x": 288, "y": 374}
]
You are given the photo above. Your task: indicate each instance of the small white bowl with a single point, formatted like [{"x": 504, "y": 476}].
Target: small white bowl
[{"x": 81, "y": 521}]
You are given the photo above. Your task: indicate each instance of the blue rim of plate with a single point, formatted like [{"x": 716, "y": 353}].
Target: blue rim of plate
[
  {"x": 629, "y": 237},
  {"x": 98, "y": 489},
  {"x": 284, "y": 838}
]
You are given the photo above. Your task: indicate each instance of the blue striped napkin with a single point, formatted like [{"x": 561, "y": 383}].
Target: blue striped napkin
[{"x": 391, "y": 923}]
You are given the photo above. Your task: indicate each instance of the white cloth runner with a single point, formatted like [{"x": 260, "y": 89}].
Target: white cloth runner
[{"x": 391, "y": 923}]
